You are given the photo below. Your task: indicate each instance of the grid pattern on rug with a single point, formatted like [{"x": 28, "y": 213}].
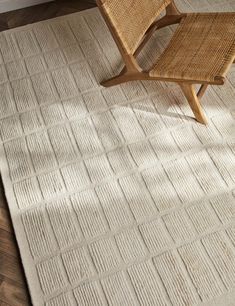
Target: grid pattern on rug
[{"x": 118, "y": 196}]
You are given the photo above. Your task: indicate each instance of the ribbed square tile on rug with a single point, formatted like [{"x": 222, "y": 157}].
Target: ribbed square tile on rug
[{"x": 117, "y": 196}]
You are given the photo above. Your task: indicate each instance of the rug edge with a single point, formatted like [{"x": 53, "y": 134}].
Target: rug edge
[{"x": 33, "y": 284}]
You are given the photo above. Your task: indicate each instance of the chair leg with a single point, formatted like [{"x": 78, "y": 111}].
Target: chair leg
[
  {"x": 193, "y": 101},
  {"x": 202, "y": 90},
  {"x": 112, "y": 82},
  {"x": 119, "y": 79}
]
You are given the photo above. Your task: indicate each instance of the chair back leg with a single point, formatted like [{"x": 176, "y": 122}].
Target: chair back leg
[
  {"x": 172, "y": 9},
  {"x": 202, "y": 90},
  {"x": 193, "y": 101}
]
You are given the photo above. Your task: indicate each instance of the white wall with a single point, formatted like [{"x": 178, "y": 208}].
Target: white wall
[{"x": 9, "y": 5}]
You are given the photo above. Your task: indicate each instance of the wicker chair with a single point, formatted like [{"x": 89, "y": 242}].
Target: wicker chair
[{"x": 201, "y": 50}]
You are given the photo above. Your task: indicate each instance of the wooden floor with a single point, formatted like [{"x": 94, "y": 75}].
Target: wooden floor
[
  {"x": 13, "y": 287},
  {"x": 41, "y": 12}
]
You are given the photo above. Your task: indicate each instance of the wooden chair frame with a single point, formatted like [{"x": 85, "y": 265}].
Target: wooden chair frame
[{"x": 132, "y": 71}]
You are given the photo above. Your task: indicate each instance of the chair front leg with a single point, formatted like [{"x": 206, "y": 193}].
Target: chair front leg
[{"x": 193, "y": 101}]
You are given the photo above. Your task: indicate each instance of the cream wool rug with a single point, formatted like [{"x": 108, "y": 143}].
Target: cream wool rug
[{"x": 117, "y": 196}]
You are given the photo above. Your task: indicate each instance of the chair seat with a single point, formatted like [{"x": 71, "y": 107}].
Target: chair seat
[{"x": 202, "y": 48}]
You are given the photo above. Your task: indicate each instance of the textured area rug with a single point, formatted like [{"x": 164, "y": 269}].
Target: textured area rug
[{"x": 117, "y": 196}]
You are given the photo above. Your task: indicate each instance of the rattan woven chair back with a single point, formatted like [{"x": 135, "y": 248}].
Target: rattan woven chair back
[
  {"x": 131, "y": 19},
  {"x": 201, "y": 50}
]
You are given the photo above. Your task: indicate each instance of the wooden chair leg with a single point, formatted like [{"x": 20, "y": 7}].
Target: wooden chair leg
[
  {"x": 121, "y": 78},
  {"x": 202, "y": 90},
  {"x": 193, "y": 101},
  {"x": 172, "y": 9},
  {"x": 114, "y": 81}
]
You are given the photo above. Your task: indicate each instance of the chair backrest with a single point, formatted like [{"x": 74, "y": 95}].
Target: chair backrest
[{"x": 130, "y": 19}]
